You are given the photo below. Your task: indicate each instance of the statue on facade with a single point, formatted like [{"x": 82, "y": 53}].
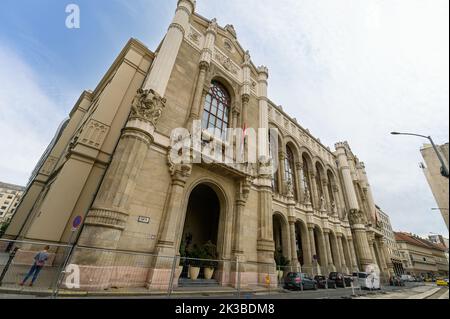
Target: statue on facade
[
  {"x": 322, "y": 202},
  {"x": 307, "y": 197}
]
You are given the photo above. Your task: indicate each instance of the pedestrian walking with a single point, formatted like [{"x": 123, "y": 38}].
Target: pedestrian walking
[{"x": 39, "y": 261}]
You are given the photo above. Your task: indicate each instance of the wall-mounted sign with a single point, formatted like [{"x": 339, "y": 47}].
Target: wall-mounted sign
[{"x": 143, "y": 219}]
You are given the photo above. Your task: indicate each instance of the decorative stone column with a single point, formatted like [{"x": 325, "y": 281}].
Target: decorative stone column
[
  {"x": 383, "y": 266},
  {"x": 283, "y": 182},
  {"x": 108, "y": 215},
  {"x": 168, "y": 241},
  {"x": 367, "y": 192},
  {"x": 385, "y": 252},
  {"x": 343, "y": 165},
  {"x": 294, "y": 257},
  {"x": 344, "y": 268},
  {"x": 337, "y": 253},
  {"x": 315, "y": 195},
  {"x": 265, "y": 244},
  {"x": 326, "y": 234},
  {"x": 238, "y": 240},
  {"x": 357, "y": 220},
  {"x": 161, "y": 68},
  {"x": 353, "y": 259},
  {"x": 312, "y": 242},
  {"x": 327, "y": 195}
]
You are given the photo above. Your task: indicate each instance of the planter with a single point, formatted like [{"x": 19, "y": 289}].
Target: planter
[
  {"x": 280, "y": 274},
  {"x": 208, "y": 271},
  {"x": 193, "y": 272}
]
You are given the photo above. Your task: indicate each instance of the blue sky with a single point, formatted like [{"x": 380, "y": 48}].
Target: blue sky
[{"x": 347, "y": 70}]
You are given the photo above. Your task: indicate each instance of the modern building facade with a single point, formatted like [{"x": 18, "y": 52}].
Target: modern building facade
[
  {"x": 115, "y": 164},
  {"x": 10, "y": 196},
  {"x": 384, "y": 223},
  {"x": 438, "y": 183},
  {"x": 423, "y": 258}
]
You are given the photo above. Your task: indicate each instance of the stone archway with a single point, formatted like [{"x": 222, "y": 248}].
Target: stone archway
[{"x": 202, "y": 220}]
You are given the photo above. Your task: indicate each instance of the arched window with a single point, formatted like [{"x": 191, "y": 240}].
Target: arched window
[
  {"x": 217, "y": 107},
  {"x": 289, "y": 169}
]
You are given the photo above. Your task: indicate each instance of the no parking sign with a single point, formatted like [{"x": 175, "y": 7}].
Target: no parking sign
[{"x": 76, "y": 222}]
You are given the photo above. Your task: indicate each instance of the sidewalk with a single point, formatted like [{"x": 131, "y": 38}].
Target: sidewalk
[{"x": 420, "y": 292}]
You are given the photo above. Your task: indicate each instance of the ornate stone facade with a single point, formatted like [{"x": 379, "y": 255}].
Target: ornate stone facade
[{"x": 316, "y": 209}]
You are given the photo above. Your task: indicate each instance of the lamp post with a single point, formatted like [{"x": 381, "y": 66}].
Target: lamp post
[{"x": 444, "y": 169}]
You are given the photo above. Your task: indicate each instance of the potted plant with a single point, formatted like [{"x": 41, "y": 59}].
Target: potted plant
[
  {"x": 210, "y": 253},
  {"x": 194, "y": 264},
  {"x": 281, "y": 263}
]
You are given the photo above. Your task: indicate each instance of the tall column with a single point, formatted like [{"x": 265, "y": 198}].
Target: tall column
[
  {"x": 292, "y": 236},
  {"x": 383, "y": 266},
  {"x": 108, "y": 215},
  {"x": 327, "y": 195},
  {"x": 387, "y": 257},
  {"x": 323, "y": 253},
  {"x": 238, "y": 240},
  {"x": 337, "y": 253},
  {"x": 358, "y": 220},
  {"x": 353, "y": 255},
  {"x": 265, "y": 244},
  {"x": 281, "y": 161},
  {"x": 326, "y": 233},
  {"x": 165, "y": 60},
  {"x": 315, "y": 195},
  {"x": 346, "y": 175},
  {"x": 204, "y": 63},
  {"x": 344, "y": 267},
  {"x": 367, "y": 191},
  {"x": 312, "y": 242}
]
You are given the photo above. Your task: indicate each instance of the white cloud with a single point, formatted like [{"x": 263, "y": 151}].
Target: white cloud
[
  {"x": 356, "y": 70},
  {"x": 28, "y": 118}
]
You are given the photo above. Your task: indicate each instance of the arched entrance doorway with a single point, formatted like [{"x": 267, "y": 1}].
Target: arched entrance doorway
[{"x": 201, "y": 224}]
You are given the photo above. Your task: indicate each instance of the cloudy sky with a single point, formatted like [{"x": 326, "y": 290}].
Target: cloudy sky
[{"x": 347, "y": 70}]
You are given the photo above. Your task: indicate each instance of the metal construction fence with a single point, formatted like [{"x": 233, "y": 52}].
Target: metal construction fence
[{"x": 79, "y": 271}]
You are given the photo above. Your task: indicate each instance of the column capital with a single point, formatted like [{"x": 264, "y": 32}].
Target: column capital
[
  {"x": 357, "y": 217},
  {"x": 203, "y": 65},
  {"x": 147, "y": 105},
  {"x": 180, "y": 172},
  {"x": 299, "y": 165},
  {"x": 311, "y": 226},
  {"x": 245, "y": 98}
]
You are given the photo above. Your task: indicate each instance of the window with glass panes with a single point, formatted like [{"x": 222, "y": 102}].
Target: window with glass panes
[{"x": 216, "y": 108}]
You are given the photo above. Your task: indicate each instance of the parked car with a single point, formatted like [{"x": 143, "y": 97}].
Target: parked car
[
  {"x": 324, "y": 282},
  {"x": 407, "y": 278},
  {"x": 339, "y": 278},
  {"x": 396, "y": 281},
  {"x": 367, "y": 280},
  {"x": 298, "y": 281},
  {"x": 348, "y": 280},
  {"x": 442, "y": 282}
]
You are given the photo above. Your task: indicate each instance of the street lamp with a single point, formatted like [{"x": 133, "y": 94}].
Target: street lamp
[{"x": 444, "y": 169}]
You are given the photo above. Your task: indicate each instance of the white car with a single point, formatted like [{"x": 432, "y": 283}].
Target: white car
[
  {"x": 407, "y": 278},
  {"x": 367, "y": 280}
]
